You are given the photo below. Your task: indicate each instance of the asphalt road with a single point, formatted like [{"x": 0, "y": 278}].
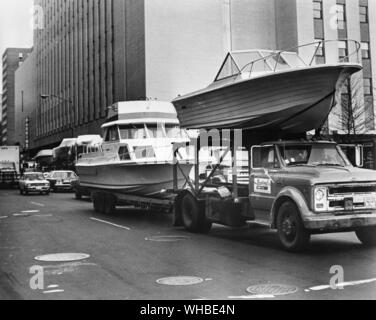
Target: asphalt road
[{"x": 125, "y": 264}]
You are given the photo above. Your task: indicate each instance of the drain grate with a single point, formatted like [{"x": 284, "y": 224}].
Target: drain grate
[
  {"x": 167, "y": 238},
  {"x": 62, "y": 257},
  {"x": 272, "y": 289},
  {"x": 180, "y": 281}
]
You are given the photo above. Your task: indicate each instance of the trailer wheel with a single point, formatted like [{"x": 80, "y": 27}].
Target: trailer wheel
[
  {"x": 98, "y": 203},
  {"x": 367, "y": 235},
  {"x": 291, "y": 231},
  {"x": 78, "y": 195},
  {"x": 109, "y": 204},
  {"x": 21, "y": 192},
  {"x": 193, "y": 216}
]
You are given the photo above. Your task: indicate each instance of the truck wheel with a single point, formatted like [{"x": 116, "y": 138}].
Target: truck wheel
[
  {"x": 109, "y": 204},
  {"x": 98, "y": 203},
  {"x": 193, "y": 216},
  {"x": 292, "y": 234},
  {"x": 367, "y": 235}
]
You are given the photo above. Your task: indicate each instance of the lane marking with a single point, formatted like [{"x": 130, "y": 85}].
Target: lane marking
[
  {"x": 20, "y": 215},
  {"x": 3, "y": 217},
  {"x": 53, "y": 291},
  {"x": 42, "y": 215},
  {"x": 111, "y": 224},
  {"x": 53, "y": 286},
  {"x": 38, "y": 204},
  {"x": 30, "y": 211},
  {"x": 257, "y": 296},
  {"x": 342, "y": 284}
]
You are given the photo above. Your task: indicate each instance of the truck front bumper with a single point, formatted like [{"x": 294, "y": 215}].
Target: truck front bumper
[{"x": 339, "y": 222}]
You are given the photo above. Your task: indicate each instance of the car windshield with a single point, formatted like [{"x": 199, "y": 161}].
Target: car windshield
[
  {"x": 34, "y": 176},
  {"x": 63, "y": 175},
  {"x": 313, "y": 155}
]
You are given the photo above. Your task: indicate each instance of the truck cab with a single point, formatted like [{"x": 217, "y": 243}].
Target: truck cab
[{"x": 306, "y": 187}]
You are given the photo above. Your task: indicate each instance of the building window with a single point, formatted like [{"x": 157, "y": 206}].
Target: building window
[
  {"x": 367, "y": 86},
  {"x": 343, "y": 51},
  {"x": 341, "y": 16},
  {"x": 317, "y": 9},
  {"x": 363, "y": 11},
  {"x": 365, "y": 50}
]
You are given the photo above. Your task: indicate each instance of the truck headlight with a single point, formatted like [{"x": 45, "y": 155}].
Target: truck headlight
[{"x": 320, "y": 199}]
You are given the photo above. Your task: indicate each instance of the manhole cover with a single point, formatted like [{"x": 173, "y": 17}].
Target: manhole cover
[
  {"x": 167, "y": 238},
  {"x": 272, "y": 289},
  {"x": 180, "y": 281},
  {"x": 62, "y": 257}
]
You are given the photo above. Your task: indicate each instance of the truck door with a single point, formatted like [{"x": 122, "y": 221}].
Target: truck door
[{"x": 264, "y": 171}]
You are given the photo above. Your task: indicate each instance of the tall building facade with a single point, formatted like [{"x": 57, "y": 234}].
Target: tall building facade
[
  {"x": 92, "y": 53},
  {"x": 11, "y": 60}
]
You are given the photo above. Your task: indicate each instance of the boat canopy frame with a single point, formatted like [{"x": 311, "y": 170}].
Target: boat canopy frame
[{"x": 279, "y": 56}]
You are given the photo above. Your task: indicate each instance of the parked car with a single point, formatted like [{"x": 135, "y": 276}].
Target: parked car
[
  {"x": 34, "y": 182},
  {"x": 62, "y": 180}
]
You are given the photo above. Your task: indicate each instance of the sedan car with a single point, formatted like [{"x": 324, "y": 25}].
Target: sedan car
[
  {"x": 62, "y": 180},
  {"x": 34, "y": 182}
]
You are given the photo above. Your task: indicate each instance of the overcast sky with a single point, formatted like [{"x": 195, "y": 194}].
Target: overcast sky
[{"x": 15, "y": 26}]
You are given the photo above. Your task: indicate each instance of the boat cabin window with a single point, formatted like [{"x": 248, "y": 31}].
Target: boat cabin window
[
  {"x": 133, "y": 132},
  {"x": 112, "y": 134},
  {"x": 174, "y": 131},
  {"x": 155, "y": 131},
  {"x": 144, "y": 152},
  {"x": 124, "y": 153}
]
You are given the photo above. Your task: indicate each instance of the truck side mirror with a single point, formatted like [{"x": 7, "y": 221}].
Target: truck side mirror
[{"x": 359, "y": 156}]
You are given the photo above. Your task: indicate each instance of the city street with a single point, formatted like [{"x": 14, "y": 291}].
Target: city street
[{"x": 125, "y": 262}]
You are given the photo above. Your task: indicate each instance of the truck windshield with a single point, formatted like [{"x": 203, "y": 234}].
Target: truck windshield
[{"x": 312, "y": 155}]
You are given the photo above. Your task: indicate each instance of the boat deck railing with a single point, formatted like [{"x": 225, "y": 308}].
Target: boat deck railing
[{"x": 280, "y": 56}]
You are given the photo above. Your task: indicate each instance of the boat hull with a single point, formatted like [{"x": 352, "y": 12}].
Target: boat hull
[
  {"x": 293, "y": 101},
  {"x": 146, "y": 180}
]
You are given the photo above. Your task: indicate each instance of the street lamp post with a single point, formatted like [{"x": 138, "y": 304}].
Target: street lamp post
[{"x": 47, "y": 96}]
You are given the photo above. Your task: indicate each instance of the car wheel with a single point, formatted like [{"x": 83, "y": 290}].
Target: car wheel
[
  {"x": 367, "y": 235},
  {"x": 291, "y": 231}
]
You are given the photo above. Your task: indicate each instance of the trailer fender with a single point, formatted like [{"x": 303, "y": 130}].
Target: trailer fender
[
  {"x": 178, "y": 222},
  {"x": 289, "y": 194}
]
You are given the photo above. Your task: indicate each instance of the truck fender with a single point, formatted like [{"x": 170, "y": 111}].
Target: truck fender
[
  {"x": 291, "y": 194},
  {"x": 178, "y": 222}
]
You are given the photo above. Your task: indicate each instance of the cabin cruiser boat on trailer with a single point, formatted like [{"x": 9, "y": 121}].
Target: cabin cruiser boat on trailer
[
  {"x": 268, "y": 90},
  {"x": 136, "y": 156}
]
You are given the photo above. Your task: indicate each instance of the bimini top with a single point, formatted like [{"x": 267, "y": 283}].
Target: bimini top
[{"x": 134, "y": 112}]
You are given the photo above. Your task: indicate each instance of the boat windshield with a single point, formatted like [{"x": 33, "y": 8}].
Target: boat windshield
[
  {"x": 254, "y": 62},
  {"x": 313, "y": 155},
  {"x": 152, "y": 131},
  {"x": 63, "y": 175},
  {"x": 132, "y": 132}
]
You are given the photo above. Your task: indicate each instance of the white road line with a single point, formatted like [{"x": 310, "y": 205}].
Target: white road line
[
  {"x": 30, "y": 211},
  {"x": 42, "y": 215},
  {"x": 342, "y": 284},
  {"x": 53, "y": 286},
  {"x": 111, "y": 224},
  {"x": 20, "y": 215},
  {"x": 53, "y": 291},
  {"x": 37, "y": 204},
  {"x": 3, "y": 217}
]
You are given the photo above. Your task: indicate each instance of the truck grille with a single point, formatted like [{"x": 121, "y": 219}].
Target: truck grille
[{"x": 352, "y": 197}]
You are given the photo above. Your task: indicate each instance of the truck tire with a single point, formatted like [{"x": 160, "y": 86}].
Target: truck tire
[
  {"x": 367, "y": 235},
  {"x": 98, "y": 203},
  {"x": 291, "y": 231},
  {"x": 193, "y": 216},
  {"x": 109, "y": 204}
]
